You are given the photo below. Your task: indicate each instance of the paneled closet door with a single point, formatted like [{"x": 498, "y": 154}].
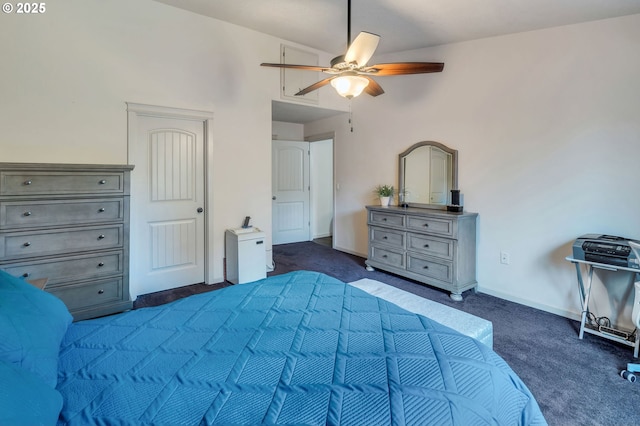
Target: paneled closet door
[
  {"x": 290, "y": 195},
  {"x": 168, "y": 200}
]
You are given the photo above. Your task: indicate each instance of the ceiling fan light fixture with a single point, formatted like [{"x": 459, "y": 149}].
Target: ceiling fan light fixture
[
  {"x": 350, "y": 75},
  {"x": 349, "y": 86}
]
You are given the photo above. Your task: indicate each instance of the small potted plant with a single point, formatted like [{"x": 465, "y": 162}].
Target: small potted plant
[{"x": 385, "y": 192}]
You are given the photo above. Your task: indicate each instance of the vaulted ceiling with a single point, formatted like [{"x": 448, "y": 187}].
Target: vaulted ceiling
[{"x": 402, "y": 24}]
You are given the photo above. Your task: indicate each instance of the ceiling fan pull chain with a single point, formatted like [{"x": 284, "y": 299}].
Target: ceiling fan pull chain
[{"x": 350, "y": 115}]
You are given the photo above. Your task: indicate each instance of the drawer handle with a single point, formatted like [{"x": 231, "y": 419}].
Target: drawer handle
[
  {"x": 385, "y": 237},
  {"x": 26, "y": 275},
  {"x": 102, "y": 182},
  {"x": 100, "y": 291},
  {"x": 27, "y": 213},
  {"x": 101, "y": 237},
  {"x": 384, "y": 219},
  {"x": 27, "y": 182},
  {"x": 384, "y": 256},
  {"x": 426, "y": 225},
  {"x": 27, "y": 244},
  {"x": 426, "y": 246},
  {"x": 426, "y": 267},
  {"x": 100, "y": 265},
  {"x": 101, "y": 210}
]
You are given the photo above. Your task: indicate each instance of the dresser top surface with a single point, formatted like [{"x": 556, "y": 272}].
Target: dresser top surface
[
  {"x": 420, "y": 211},
  {"x": 60, "y": 167}
]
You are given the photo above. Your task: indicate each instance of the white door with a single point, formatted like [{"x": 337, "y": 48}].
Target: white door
[
  {"x": 290, "y": 195},
  {"x": 167, "y": 203}
]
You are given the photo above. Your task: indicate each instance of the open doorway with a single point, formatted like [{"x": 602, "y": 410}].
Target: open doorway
[
  {"x": 322, "y": 196},
  {"x": 303, "y": 196},
  {"x": 288, "y": 124}
]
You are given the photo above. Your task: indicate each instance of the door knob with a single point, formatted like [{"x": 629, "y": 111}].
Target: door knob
[
  {"x": 200, "y": 210},
  {"x": 273, "y": 198}
]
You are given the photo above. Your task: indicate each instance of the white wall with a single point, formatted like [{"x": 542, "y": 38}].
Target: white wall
[
  {"x": 546, "y": 125},
  {"x": 287, "y": 131},
  {"x": 66, "y": 75}
]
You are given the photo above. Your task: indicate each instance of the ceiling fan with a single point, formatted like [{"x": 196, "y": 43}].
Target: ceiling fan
[{"x": 350, "y": 74}]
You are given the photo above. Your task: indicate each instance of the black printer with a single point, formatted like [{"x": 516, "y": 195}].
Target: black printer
[{"x": 607, "y": 249}]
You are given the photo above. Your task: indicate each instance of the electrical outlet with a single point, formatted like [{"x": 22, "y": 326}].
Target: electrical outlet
[{"x": 505, "y": 258}]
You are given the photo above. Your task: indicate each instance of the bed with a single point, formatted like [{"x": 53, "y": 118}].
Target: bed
[{"x": 300, "y": 348}]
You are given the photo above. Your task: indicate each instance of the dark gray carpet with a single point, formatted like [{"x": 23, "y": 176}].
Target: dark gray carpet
[{"x": 576, "y": 382}]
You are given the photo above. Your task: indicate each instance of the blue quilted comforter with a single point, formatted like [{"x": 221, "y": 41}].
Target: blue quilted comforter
[{"x": 300, "y": 348}]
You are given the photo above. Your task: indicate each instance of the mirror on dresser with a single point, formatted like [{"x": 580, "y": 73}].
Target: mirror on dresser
[{"x": 428, "y": 171}]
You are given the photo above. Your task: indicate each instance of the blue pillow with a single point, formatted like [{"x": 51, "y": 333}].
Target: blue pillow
[
  {"x": 25, "y": 399},
  {"x": 32, "y": 325}
]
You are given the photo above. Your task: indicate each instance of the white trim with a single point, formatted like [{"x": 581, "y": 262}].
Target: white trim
[
  {"x": 135, "y": 110},
  {"x": 322, "y": 137},
  {"x": 542, "y": 307},
  {"x": 208, "y": 204},
  {"x": 351, "y": 252},
  {"x": 168, "y": 112}
]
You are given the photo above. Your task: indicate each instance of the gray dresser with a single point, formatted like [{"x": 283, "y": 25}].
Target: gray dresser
[
  {"x": 435, "y": 247},
  {"x": 68, "y": 223}
]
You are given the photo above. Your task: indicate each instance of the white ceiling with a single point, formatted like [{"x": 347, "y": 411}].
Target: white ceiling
[
  {"x": 297, "y": 113},
  {"x": 402, "y": 24}
]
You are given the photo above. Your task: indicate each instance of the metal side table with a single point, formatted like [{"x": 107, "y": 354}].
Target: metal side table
[{"x": 626, "y": 338}]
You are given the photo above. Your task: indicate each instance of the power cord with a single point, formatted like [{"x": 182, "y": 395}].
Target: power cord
[{"x": 598, "y": 321}]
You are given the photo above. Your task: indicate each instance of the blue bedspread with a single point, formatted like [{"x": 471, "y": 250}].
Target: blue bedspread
[{"x": 299, "y": 348}]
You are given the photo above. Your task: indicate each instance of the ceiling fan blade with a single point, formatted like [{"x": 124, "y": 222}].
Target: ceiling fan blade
[
  {"x": 299, "y": 67},
  {"x": 315, "y": 86},
  {"x": 403, "y": 68},
  {"x": 362, "y": 48},
  {"x": 373, "y": 89}
]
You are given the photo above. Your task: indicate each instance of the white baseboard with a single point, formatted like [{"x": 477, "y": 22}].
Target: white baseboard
[
  {"x": 350, "y": 252},
  {"x": 546, "y": 308},
  {"x": 321, "y": 236},
  {"x": 216, "y": 280}
]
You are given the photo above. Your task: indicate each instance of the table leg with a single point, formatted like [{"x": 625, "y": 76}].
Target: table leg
[{"x": 585, "y": 294}]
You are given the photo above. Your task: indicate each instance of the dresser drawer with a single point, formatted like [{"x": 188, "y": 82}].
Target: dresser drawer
[
  {"x": 388, "y": 219},
  {"x": 432, "y": 246},
  {"x": 53, "y": 183},
  {"x": 18, "y": 245},
  {"x": 387, "y": 236},
  {"x": 91, "y": 294},
  {"x": 387, "y": 256},
  {"x": 431, "y": 225},
  {"x": 432, "y": 268},
  {"x": 73, "y": 268},
  {"x": 24, "y": 214}
]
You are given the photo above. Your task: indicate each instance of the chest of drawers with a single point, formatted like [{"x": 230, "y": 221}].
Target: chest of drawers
[
  {"x": 68, "y": 223},
  {"x": 435, "y": 247}
]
